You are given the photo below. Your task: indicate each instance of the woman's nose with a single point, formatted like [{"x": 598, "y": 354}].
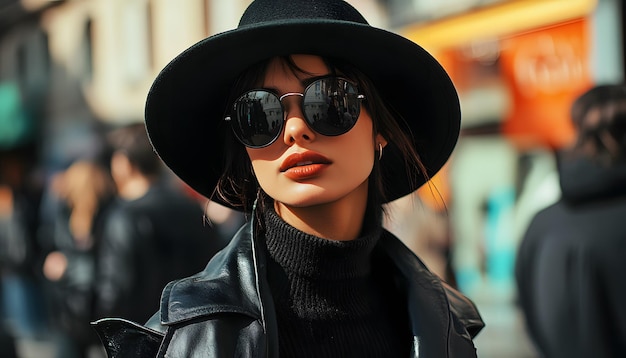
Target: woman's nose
[{"x": 296, "y": 128}]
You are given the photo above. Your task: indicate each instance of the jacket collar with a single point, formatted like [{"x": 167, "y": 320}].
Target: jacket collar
[
  {"x": 234, "y": 282},
  {"x": 229, "y": 283},
  {"x": 431, "y": 301}
]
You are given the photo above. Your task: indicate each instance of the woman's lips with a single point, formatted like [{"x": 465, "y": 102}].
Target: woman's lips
[{"x": 299, "y": 166}]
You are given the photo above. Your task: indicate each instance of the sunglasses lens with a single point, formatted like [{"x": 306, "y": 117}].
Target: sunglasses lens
[
  {"x": 258, "y": 118},
  {"x": 331, "y": 106}
]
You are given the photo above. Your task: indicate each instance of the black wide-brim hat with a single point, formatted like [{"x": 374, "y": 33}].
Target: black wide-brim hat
[{"x": 188, "y": 99}]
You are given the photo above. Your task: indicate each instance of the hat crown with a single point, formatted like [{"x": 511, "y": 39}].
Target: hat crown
[{"x": 273, "y": 11}]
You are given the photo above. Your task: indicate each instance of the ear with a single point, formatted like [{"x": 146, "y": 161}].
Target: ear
[{"x": 380, "y": 140}]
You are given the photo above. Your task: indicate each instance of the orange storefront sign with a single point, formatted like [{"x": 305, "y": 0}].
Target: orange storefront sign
[{"x": 545, "y": 70}]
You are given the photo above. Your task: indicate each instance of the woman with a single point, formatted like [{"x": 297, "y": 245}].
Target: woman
[{"x": 309, "y": 119}]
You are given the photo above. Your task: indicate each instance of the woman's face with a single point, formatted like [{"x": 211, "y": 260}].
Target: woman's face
[{"x": 303, "y": 168}]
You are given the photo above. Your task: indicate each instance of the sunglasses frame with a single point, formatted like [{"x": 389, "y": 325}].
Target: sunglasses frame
[{"x": 229, "y": 118}]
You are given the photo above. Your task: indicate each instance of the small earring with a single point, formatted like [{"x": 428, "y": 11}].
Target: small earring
[{"x": 380, "y": 151}]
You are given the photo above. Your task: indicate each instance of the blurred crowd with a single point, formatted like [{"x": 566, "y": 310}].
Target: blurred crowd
[{"x": 99, "y": 237}]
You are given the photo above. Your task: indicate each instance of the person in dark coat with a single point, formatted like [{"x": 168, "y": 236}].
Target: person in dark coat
[
  {"x": 7, "y": 344},
  {"x": 312, "y": 273},
  {"x": 152, "y": 234},
  {"x": 22, "y": 305},
  {"x": 70, "y": 232},
  {"x": 7, "y": 340},
  {"x": 571, "y": 262}
]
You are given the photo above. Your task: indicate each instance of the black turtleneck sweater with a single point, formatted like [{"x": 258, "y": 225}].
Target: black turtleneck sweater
[{"x": 334, "y": 298}]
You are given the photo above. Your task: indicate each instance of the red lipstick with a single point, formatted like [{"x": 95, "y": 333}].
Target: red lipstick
[{"x": 300, "y": 166}]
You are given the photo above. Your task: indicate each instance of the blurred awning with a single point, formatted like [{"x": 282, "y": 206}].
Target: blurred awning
[{"x": 498, "y": 20}]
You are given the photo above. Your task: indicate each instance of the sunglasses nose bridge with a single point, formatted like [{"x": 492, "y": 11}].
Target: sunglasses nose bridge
[
  {"x": 295, "y": 125},
  {"x": 290, "y": 105},
  {"x": 290, "y": 94}
]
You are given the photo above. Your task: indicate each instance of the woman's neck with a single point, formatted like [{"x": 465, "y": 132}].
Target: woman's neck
[{"x": 339, "y": 220}]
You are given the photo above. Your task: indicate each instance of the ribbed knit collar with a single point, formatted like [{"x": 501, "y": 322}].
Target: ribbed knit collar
[{"x": 311, "y": 256}]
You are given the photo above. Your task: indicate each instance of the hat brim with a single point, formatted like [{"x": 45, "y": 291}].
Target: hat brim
[{"x": 187, "y": 101}]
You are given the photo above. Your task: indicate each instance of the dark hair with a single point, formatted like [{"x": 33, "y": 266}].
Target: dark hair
[
  {"x": 599, "y": 116},
  {"x": 132, "y": 141},
  {"x": 238, "y": 185}
]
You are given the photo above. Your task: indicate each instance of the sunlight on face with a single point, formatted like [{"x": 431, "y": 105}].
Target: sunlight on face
[{"x": 303, "y": 168}]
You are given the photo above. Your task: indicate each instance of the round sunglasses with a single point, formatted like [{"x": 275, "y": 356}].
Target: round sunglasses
[{"x": 331, "y": 107}]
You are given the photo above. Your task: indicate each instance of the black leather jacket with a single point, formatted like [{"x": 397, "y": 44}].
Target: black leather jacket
[{"x": 227, "y": 310}]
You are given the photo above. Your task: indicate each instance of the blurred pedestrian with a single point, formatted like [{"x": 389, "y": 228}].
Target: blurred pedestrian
[
  {"x": 7, "y": 340},
  {"x": 153, "y": 232},
  {"x": 570, "y": 265},
  {"x": 81, "y": 194},
  {"x": 7, "y": 343},
  {"x": 312, "y": 273},
  {"x": 23, "y": 308}
]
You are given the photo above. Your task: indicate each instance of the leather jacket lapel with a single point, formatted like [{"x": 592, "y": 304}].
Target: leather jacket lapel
[
  {"x": 233, "y": 281},
  {"x": 429, "y": 304},
  {"x": 229, "y": 283}
]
